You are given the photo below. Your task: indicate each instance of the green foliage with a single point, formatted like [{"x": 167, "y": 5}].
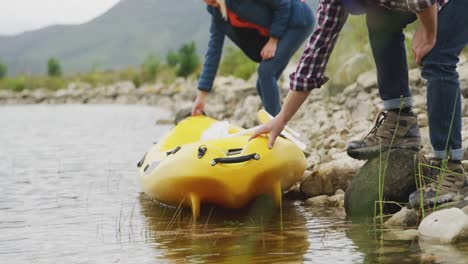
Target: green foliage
[
  {"x": 188, "y": 59},
  {"x": 150, "y": 68},
  {"x": 53, "y": 68},
  {"x": 17, "y": 84},
  {"x": 236, "y": 63},
  {"x": 172, "y": 59},
  {"x": 3, "y": 70},
  {"x": 24, "y": 82}
]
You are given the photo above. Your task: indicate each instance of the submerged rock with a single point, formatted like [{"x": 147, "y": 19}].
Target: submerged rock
[
  {"x": 400, "y": 235},
  {"x": 445, "y": 226},
  {"x": 404, "y": 218},
  {"x": 321, "y": 200},
  {"x": 398, "y": 178}
]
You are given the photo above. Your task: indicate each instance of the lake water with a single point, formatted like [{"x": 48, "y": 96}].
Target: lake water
[{"x": 69, "y": 193}]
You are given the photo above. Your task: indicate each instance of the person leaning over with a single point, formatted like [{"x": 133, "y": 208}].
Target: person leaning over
[
  {"x": 267, "y": 31},
  {"x": 437, "y": 43}
]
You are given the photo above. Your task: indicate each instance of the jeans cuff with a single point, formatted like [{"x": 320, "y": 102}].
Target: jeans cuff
[
  {"x": 456, "y": 154},
  {"x": 398, "y": 102}
]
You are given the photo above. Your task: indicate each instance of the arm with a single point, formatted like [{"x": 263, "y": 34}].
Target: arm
[
  {"x": 212, "y": 57},
  {"x": 210, "y": 67},
  {"x": 294, "y": 100},
  {"x": 281, "y": 14},
  {"x": 424, "y": 39},
  {"x": 331, "y": 16}
]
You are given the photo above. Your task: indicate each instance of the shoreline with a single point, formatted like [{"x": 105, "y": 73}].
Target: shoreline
[{"x": 326, "y": 122}]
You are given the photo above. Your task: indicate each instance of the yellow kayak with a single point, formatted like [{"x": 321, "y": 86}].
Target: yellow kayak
[{"x": 184, "y": 169}]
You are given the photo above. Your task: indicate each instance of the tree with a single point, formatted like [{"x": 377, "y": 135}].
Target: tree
[
  {"x": 188, "y": 59},
  {"x": 150, "y": 67},
  {"x": 172, "y": 59},
  {"x": 3, "y": 71},
  {"x": 53, "y": 68}
]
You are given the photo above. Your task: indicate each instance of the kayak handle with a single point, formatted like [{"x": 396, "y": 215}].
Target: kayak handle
[
  {"x": 140, "y": 163},
  {"x": 240, "y": 159},
  {"x": 173, "y": 151}
]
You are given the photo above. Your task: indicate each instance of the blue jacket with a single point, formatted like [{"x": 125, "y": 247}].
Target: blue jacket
[{"x": 276, "y": 15}]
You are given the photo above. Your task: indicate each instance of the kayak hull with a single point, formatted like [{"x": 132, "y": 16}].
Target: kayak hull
[{"x": 229, "y": 172}]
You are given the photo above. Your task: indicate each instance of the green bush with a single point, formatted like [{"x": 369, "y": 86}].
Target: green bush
[
  {"x": 53, "y": 68},
  {"x": 236, "y": 63},
  {"x": 3, "y": 71},
  {"x": 150, "y": 68},
  {"x": 188, "y": 60},
  {"x": 16, "y": 84},
  {"x": 172, "y": 59}
]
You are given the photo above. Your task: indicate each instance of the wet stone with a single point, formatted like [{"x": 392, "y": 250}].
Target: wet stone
[
  {"x": 445, "y": 226},
  {"x": 363, "y": 193},
  {"x": 405, "y": 217},
  {"x": 322, "y": 200}
]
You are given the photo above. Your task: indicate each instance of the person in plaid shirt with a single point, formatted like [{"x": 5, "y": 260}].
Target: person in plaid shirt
[{"x": 437, "y": 43}]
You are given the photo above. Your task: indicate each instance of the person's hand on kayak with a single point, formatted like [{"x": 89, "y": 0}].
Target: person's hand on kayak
[
  {"x": 269, "y": 50},
  {"x": 199, "y": 104},
  {"x": 273, "y": 128}
]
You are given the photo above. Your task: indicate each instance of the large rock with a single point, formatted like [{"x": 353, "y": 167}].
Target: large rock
[
  {"x": 397, "y": 175},
  {"x": 367, "y": 80},
  {"x": 350, "y": 69},
  {"x": 327, "y": 178},
  {"x": 445, "y": 226},
  {"x": 246, "y": 115}
]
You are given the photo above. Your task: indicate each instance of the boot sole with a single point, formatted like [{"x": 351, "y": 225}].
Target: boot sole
[
  {"x": 427, "y": 203},
  {"x": 370, "y": 152}
]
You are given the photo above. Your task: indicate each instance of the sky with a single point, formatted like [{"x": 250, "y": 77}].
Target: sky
[{"x": 17, "y": 16}]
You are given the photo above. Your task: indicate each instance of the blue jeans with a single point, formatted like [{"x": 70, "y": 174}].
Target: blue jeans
[
  {"x": 269, "y": 71},
  {"x": 439, "y": 69}
]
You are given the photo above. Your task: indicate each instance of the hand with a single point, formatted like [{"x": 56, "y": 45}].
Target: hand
[
  {"x": 269, "y": 50},
  {"x": 423, "y": 43},
  {"x": 273, "y": 128},
  {"x": 199, "y": 104}
]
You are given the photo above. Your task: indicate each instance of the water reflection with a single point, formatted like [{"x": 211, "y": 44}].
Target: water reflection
[{"x": 252, "y": 234}]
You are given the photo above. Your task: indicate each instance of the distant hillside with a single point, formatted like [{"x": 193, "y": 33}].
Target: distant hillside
[{"x": 121, "y": 37}]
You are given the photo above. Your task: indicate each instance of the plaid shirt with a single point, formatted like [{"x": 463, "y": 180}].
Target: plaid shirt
[{"x": 331, "y": 16}]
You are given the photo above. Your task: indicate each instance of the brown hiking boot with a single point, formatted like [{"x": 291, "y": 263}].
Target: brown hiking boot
[
  {"x": 402, "y": 128},
  {"x": 450, "y": 179}
]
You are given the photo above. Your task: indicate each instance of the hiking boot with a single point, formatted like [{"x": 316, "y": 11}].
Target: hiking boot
[
  {"x": 402, "y": 128},
  {"x": 449, "y": 180}
]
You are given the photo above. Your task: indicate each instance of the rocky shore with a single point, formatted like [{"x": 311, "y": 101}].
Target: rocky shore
[{"x": 326, "y": 122}]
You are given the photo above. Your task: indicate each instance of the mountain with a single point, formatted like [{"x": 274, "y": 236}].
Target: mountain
[{"x": 121, "y": 37}]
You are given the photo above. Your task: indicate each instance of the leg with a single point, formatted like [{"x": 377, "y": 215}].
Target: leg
[
  {"x": 443, "y": 87},
  {"x": 388, "y": 48},
  {"x": 269, "y": 71},
  {"x": 259, "y": 89},
  {"x": 393, "y": 129},
  {"x": 444, "y": 106}
]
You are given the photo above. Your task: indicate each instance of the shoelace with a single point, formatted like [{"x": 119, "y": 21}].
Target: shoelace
[{"x": 378, "y": 122}]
